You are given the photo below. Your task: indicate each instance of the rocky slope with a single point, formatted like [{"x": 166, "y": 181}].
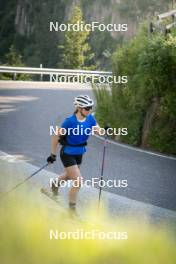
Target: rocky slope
[{"x": 25, "y": 23}]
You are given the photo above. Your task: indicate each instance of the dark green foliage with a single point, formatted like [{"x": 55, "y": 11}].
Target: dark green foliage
[
  {"x": 32, "y": 38},
  {"x": 14, "y": 59},
  {"x": 103, "y": 45},
  {"x": 150, "y": 66},
  {"x": 7, "y": 26}
]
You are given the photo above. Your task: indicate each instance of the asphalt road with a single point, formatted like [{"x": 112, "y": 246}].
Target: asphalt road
[{"x": 25, "y": 117}]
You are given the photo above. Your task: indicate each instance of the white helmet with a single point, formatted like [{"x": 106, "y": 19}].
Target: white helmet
[{"x": 83, "y": 101}]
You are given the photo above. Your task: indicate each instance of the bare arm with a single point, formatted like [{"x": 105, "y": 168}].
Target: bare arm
[
  {"x": 54, "y": 141},
  {"x": 54, "y": 144}
]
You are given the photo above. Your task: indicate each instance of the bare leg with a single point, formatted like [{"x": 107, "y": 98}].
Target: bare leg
[
  {"x": 73, "y": 173},
  {"x": 56, "y": 183},
  {"x": 63, "y": 177}
]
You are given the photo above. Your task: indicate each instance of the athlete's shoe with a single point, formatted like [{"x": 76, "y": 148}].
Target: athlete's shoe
[{"x": 73, "y": 214}]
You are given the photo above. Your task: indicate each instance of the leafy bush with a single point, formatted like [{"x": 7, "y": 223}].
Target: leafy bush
[{"x": 146, "y": 104}]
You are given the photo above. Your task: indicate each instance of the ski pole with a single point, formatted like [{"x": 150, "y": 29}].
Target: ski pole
[
  {"x": 20, "y": 183},
  {"x": 102, "y": 166}
]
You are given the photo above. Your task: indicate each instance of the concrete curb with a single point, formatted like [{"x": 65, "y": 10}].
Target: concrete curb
[{"x": 43, "y": 85}]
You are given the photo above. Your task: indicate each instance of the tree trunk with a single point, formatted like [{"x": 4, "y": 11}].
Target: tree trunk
[{"x": 150, "y": 115}]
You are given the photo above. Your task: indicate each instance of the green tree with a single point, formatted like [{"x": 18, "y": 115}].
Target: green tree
[
  {"x": 76, "y": 50},
  {"x": 12, "y": 58}
]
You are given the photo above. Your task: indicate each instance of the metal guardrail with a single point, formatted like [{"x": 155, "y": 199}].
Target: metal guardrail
[
  {"x": 157, "y": 26},
  {"x": 46, "y": 71},
  {"x": 167, "y": 14}
]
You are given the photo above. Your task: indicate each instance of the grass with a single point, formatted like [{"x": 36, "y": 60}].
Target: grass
[{"x": 25, "y": 239}]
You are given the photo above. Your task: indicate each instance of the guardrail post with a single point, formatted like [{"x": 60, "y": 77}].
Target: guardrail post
[
  {"x": 173, "y": 2},
  {"x": 41, "y": 75},
  {"x": 150, "y": 29},
  {"x": 14, "y": 76}
]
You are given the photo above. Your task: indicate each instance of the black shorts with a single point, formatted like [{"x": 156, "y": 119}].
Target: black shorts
[{"x": 70, "y": 160}]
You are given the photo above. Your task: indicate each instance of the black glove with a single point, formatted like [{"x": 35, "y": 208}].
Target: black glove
[{"x": 51, "y": 158}]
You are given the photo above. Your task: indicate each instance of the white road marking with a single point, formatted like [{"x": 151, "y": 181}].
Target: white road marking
[{"x": 136, "y": 149}]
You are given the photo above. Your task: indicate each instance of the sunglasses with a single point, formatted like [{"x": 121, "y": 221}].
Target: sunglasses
[{"x": 88, "y": 108}]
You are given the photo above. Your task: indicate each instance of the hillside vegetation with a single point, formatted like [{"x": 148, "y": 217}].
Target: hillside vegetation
[
  {"x": 146, "y": 105},
  {"x": 25, "y": 25}
]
